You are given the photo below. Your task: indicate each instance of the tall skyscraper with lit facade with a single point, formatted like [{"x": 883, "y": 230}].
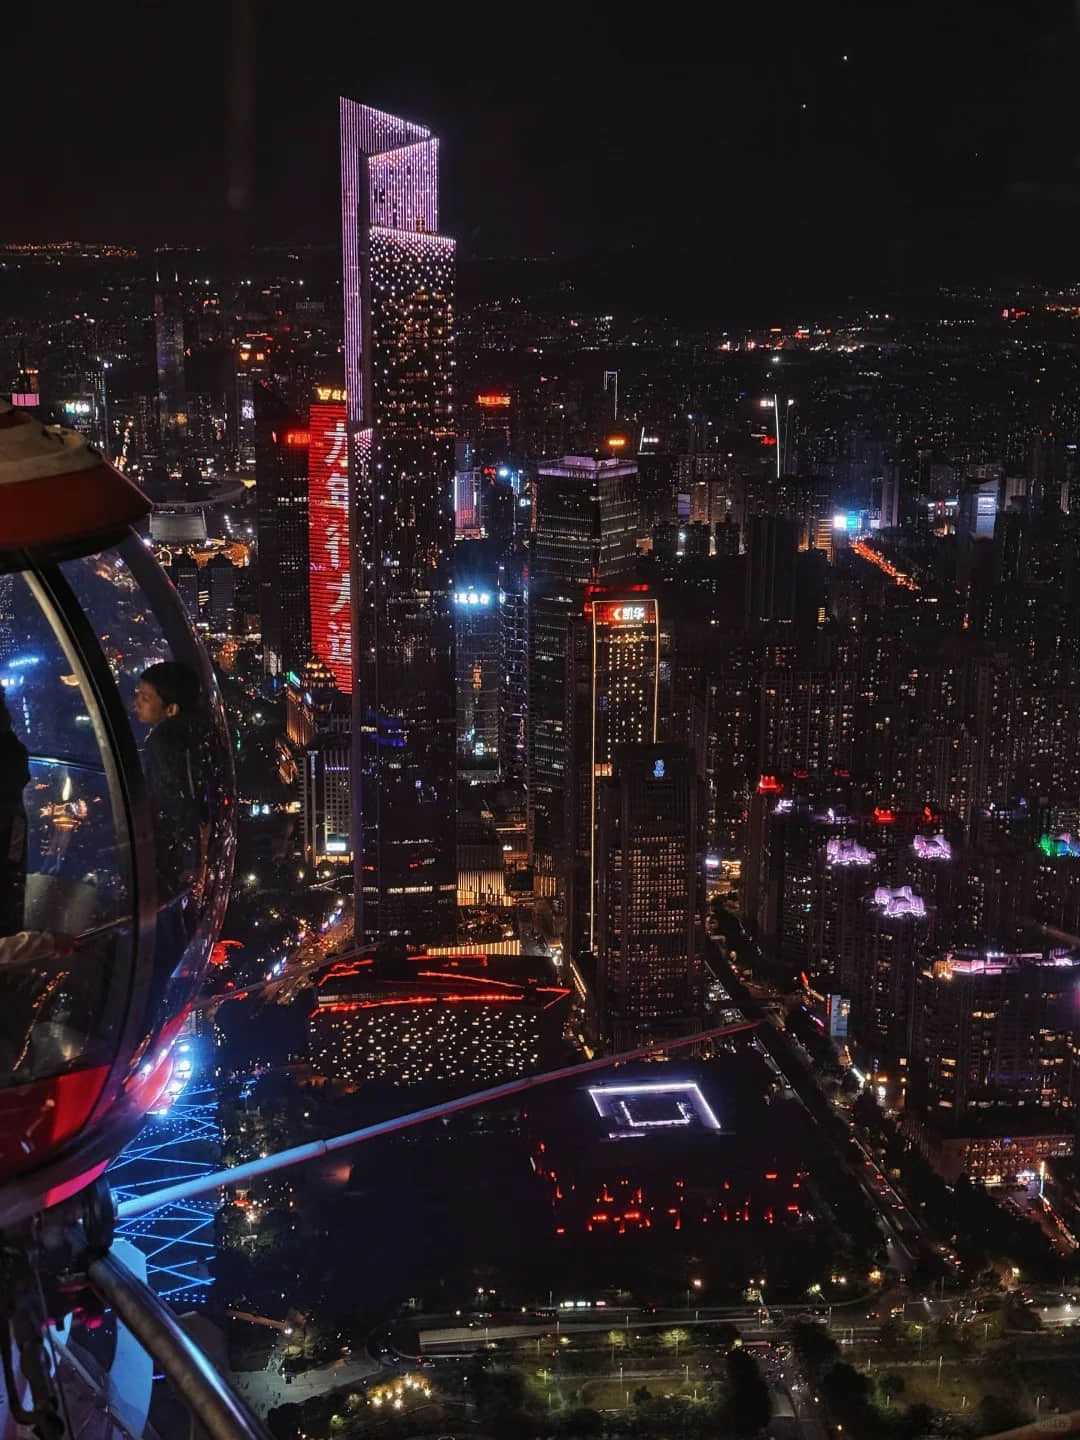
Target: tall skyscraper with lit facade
[
  {"x": 586, "y": 532},
  {"x": 614, "y": 700},
  {"x": 398, "y": 302},
  {"x": 282, "y": 441},
  {"x": 649, "y": 968},
  {"x": 172, "y": 390},
  {"x": 328, "y": 537}
]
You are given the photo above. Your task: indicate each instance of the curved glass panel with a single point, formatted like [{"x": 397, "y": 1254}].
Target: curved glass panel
[
  {"x": 168, "y": 690},
  {"x": 64, "y": 856}
]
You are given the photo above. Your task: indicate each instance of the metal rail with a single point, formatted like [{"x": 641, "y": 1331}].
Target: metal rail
[
  {"x": 238, "y": 1174},
  {"x": 202, "y": 1388}
]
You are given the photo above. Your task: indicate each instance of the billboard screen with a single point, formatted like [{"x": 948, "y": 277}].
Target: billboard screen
[{"x": 328, "y": 521}]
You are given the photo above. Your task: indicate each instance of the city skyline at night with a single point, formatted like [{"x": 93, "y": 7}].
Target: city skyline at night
[{"x": 539, "y": 725}]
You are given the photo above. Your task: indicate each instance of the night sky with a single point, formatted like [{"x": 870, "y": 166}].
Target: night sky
[{"x": 786, "y": 148}]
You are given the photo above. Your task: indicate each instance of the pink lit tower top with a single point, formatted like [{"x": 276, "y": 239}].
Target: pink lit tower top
[{"x": 398, "y": 274}]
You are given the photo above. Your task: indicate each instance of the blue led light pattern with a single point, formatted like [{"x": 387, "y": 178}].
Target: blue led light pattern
[{"x": 177, "y": 1144}]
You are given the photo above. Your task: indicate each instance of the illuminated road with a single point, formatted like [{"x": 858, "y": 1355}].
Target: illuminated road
[
  {"x": 784, "y": 1055},
  {"x": 864, "y": 552},
  {"x": 746, "y": 1318},
  {"x": 313, "y": 955}
]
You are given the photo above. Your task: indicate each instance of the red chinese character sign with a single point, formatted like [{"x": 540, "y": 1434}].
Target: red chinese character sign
[{"x": 328, "y": 519}]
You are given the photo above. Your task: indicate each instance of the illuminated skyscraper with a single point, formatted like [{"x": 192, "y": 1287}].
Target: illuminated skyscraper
[
  {"x": 328, "y": 531},
  {"x": 281, "y": 492},
  {"x": 478, "y": 685},
  {"x": 252, "y": 366},
  {"x": 614, "y": 700},
  {"x": 648, "y": 959},
  {"x": 172, "y": 391},
  {"x": 398, "y": 301},
  {"x": 586, "y": 530}
]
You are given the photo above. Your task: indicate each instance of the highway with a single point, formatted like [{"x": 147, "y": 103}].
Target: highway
[{"x": 849, "y": 1318}]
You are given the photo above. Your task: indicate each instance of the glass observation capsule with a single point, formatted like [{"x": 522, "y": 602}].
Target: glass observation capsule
[{"x": 116, "y": 834}]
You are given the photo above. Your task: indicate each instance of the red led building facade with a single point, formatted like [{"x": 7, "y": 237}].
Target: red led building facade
[{"x": 328, "y": 511}]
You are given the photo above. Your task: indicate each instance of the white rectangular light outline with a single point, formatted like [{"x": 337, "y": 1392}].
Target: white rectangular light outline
[{"x": 690, "y": 1087}]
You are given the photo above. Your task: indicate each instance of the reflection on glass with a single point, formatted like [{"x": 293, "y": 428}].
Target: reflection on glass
[
  {"x": 168, "y": 689},
  {"x": 14, "y": 778},
  {"x": 61, "y": 873}
]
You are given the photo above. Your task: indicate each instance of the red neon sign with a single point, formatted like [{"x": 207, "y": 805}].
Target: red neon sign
[
  {"x": 493, "y": 401},
  {"x": 328, "y": 535},
  {"x": 298, "y": 437},
  {"x": 769, "y": 785},
  {"x": 626, "y": 612},
  {"x": 884, "y": 816}
]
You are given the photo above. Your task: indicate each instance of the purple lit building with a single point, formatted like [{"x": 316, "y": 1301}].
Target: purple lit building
[
  {"x": 846, "y": 878},
  {"x": 890, "y": 952},
  {"x": 398, "y": 300}
]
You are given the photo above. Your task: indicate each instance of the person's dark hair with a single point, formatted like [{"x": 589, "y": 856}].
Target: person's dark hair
[{"x": 175, "y": 682}]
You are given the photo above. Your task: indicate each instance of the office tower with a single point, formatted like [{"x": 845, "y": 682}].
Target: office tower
[
  {"x": 282, "y": 443},
  {"x": 499, "y": 510},
  {"x": 698, "y": 542},
  {"x": 514, "y": 659},
  {"x": 468, "y": 519},
  {"x": 975, "y": 520},
  {"x": 648, "y": 960},
  {"x": 399, "y": 320},
  {"x": 326, "y": 799},
  {"x": 489, "y": 422},
  {"x": 328, "y": 540},
  {"x": 477, "y": 678},
  {"x": 726, "y": 538},
  {"x": 770, "y": 573},
  {"x": 184, "y": 574},
  {"x": 586, "y": 525},
  {"x": 995, "y": 1030},
  {"x": 979, "y": 502},
  {"x": 889, "y": 514},
  {"x": 220, "y": 595},
  {"x": 613, "y": 701},
  {"x": 252, "y": 362},
  {"x": 172, "y": 392},
  {"x": 315, "y": 706}
]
